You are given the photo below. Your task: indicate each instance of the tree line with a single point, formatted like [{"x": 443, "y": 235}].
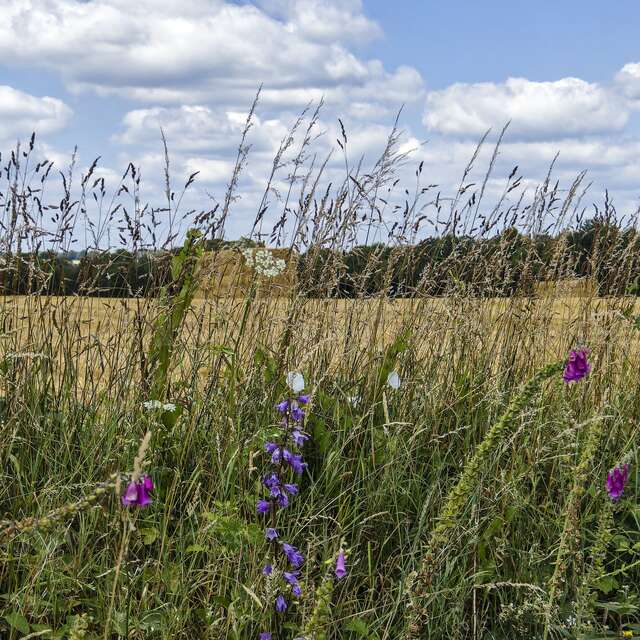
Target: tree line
[{"x": 509, "y": 263}]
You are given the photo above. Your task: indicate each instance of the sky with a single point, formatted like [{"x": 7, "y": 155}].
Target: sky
[{"x": 106, "y": 75}]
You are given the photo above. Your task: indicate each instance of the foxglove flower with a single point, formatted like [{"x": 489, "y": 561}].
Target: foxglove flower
[
  {"x": 577, "y": 366},
  {"x": 340, "y": 570},
  {"x": 616, "y": 480},
  {"x": 137, "y": 493}
]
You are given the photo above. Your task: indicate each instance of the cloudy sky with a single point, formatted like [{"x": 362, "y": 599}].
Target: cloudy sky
[{"x": 107, "y": 74}]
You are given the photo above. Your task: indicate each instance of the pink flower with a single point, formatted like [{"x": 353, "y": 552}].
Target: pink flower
[
  {"x": 616, "y": 479},
  {"x": 341, "y": 570},
  {"x": 137, "y": 493}
]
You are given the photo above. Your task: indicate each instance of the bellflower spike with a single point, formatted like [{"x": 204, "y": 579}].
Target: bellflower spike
[
  {"x": 281, "y": 604},
  {"x": 341, "y": 570},
  {"x": 616, "y": 480},
  {"x": 577, "y": 366}
]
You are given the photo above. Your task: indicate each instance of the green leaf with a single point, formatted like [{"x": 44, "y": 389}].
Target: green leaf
[
  {"x": 195, "y": 548},
  {"x": 18, "y": 622},
  {"x": 358, "y": 626},
  {"x": 149, "y": 535}
]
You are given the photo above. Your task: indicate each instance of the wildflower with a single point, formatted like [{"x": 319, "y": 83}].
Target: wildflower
[
  {"x": 265, "y": 635},
  {"x": 267, "y": 570},
  {"x": 271, "y": 534},
  {"x": 577, "y": 366},
  {"x": 299, "y": 438},
  {"x": 281, "y": 604},
  {"x": 295, "y": 381},
  {"x": 137, "y": 493},
  {"x": 393, "y": 380},
  {"x": 341, "y": 570},
  {"x": 616, "y": 479},
  {"x": 263, "y": 506},
  {"x": 293, "y": 555}
]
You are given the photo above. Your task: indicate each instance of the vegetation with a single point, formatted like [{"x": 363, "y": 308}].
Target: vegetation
[{"x": 462, "y": 478}]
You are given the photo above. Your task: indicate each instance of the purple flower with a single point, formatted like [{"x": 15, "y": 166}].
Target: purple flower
[
  {"x": 299, "y": 438},
  {"x": 341, "y": 570},
  {"x": 265, "y": 635},
  {"x": 281, "y": 604},
  {"x": 292, "y": 489},
  {"x": 137, "y": 493},
  {"x": 304, "y": 399},
  {"x": 283, "y": 406},
  {"x": 263, "y": 506},
  {"x": 271, "y": 533},
  {"x": 297, "y": 414},
  {"x": 267, "y": 570},
  {"x": 616, "y": 479},
  {"x": 291, "y": 577},
  {"x": 283, "y": 500},
  {"x": 296, "y": 590},
  {"x": 577, "y": 366},
  {"x": 293, "y": 555},
  {"x": 295, "y": 461}
]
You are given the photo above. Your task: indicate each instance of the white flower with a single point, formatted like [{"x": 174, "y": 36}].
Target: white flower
[
  {"x": 152, "y": 404},
  {"x": 264, "y": 262},
  {"x": 295, "y": 381},
  {"x": 393, "y": 380},
  {"x": 156, "y": 404},
  {"x": 353, "y": 400}
]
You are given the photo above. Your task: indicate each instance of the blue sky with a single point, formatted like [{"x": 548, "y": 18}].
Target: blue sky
[{"x": 107, "y": 74}]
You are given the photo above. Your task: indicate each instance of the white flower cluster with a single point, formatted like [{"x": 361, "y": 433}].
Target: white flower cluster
[
  {"x": 264, "y": 262},
  {"x": 156, "y": 404}
]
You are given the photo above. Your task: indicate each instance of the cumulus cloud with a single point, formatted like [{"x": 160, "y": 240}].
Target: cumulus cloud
[
  {"x": 628, "y": 78},
  {"x": 194, "y": 51},
  {"x": 192, "y": 128},
  {"x": 537, "y": 110},
  {"x": 22, "y": 113}
]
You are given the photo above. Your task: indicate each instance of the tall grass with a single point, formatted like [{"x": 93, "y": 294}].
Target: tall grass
[{"x": 527, "y": 541}]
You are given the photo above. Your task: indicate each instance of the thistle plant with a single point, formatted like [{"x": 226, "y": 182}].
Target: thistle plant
[
  {"x": 454, "y": 505},
  {"x": 282, "y": 568}
]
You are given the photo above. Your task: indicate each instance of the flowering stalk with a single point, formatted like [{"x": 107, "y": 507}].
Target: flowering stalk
[
  {"x": 317, "y": 623},
  {"x": 279, "y": 488},
  {"x": 457, "y": 499}
]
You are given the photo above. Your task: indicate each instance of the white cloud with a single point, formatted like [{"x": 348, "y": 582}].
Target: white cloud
[
  {"x": 198, "y": 128},
  {"x": 22, "y": 113},
  {"x": 628, "y": 78},
  {"x": 195, "y": 51},
  {"x": 537, "y": 110}
]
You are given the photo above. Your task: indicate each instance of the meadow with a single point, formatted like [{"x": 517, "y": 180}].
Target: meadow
[{"x": 451, "y": 483}]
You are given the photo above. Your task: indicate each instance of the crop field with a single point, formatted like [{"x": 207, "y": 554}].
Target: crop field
[{"x": 435, "y": 546}]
